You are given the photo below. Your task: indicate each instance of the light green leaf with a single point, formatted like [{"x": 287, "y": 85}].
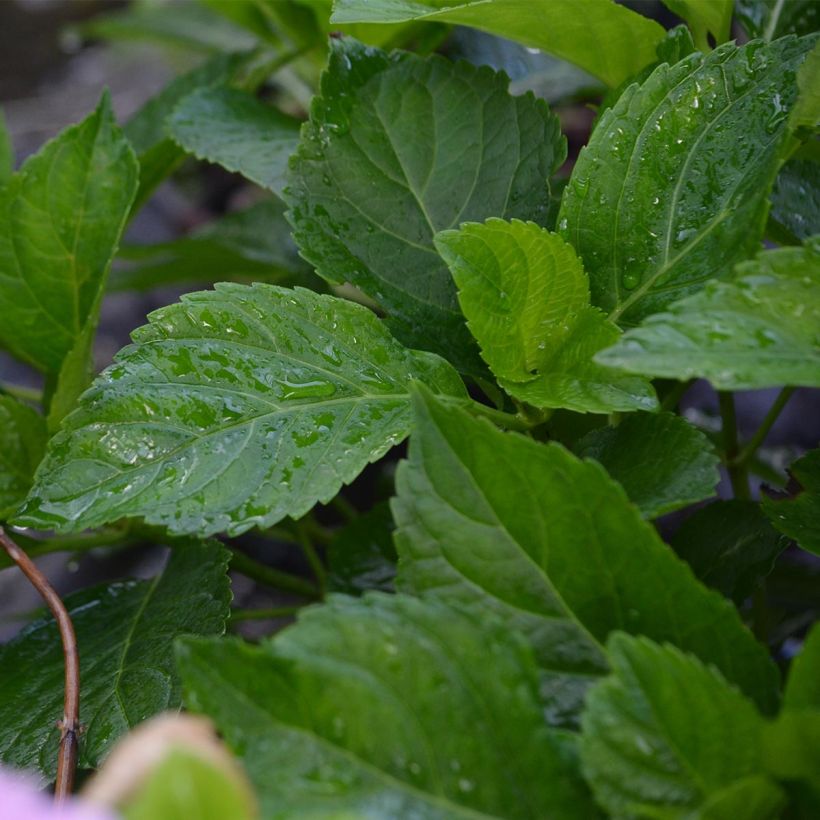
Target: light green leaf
[
  {"x": 234, "y": 408},
  {"x": 6, "y": 151},
  {"x": 387, "y": 706},
  {"x": 662, "y": 461},
  {"x": 791, "y": 746},
  {"x": 250, "y": 245},
  {"x": 752, "y": 798},
  {"x": 705, "y": 17},
  {"x": 665, "y": 733},
  {"x": 796, "y": 200},
  {"x": 759, "y": 330},
  {"x": 671, "y": 190},
  {"x": 61, "y": 216},
  {"x": 803, "y": 683},
  {"x": 23, "y": 439},
  {"x": 730, "y": 545},
  {"x": 125, "y": 633},
  {"x": 497, "y": 522},
  {"x": 771, "y": 19},
  {"x": 607, "y": 40},
  {"x": 525, "y": 296},
  {"x": 235, "y": 130},
  {"x": 806, "y": 113},
  {"x": 799, "y": 517},
  {"x": 399, "y": 148}
]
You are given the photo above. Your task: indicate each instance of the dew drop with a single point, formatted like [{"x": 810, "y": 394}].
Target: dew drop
[{"x": 630, "y": 280}]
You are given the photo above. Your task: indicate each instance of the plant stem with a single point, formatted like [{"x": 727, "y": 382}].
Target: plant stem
[
  {"x": 502, "y": 419},
  {"x": 270, "y": 577},
  {"x": 344, "y": 508},
  {"x": 738, "y": 475},
  {"x": 25, "y": 393},
  {"x": 766, "y": 425},
  {"x": 760, "y": 613},
  {"x": 70, "y": 724},
  {"x": 673, "y": 397},
  {"x": 312, "y": 556},
  {"x": 79, "y": 543},
  {"x": 263, "y": 614}
]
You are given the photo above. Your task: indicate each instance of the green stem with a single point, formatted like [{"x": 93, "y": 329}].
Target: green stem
[
  {"x": 25, "y": 393},
  {"x": 282, "y": 534},
  {"x": 673, "y": 397},
  {"x": 760, "y": 613},
  {"x": 738, "y": 474},
  {"x": 75, "y": 543},
  {"x": 312, "y": 556},
  {"x": 270, "y": 577},
  {"x": 344, "y": 508},
  {"x": 263, "y": 614},
  {"x": 502, "y": 419},
  {"x": 258, "y": 74},
  {"x": 766, "y": 425}
]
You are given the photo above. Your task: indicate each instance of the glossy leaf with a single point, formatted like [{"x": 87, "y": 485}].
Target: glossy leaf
[
  {"x": 61, "y": 216},
  {"x": 796, "y": 200},
  {"x": 399, "y": 148},
  {"x": 387, "y": 706},
  {"x": 252, "y": 245},
  {"x": 497, "y": 522},
  {"x": 234, "y": 408},
  {"x": 730, "y": 545},
  {"x": 22, "y": 446},
  {"x": 525, "y": 296},
  {"x": 758, "y": 330},
  {"x": 705, "y": 17},
  {"x": 799, "y": 517},
  {"x": 662, "y": 461},
  {"x": 671, "y": 190},
  {"x": 125, "y": 633},
  {"x": 666, "y": 733},
  {"x": 775, "y": 18},
  {"x": 239, "y": 132},
  {"x": 607, "y": 40}
]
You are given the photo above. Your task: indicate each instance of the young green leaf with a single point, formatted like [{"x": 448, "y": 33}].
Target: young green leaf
[
  {"x": 671, "y": 190},
  {"x": 387, "y": 706},
  {"x": 239, "y": 132},
  {"x": 23, "y": 439},
  {"x": 730, "y": 545},
  {"x": 525, "y": 296},
  {"x": 758, "y": 330},
  {"x": 662, "y": 461},
  {"x": 125, "y": 633},
  {"x": 61, "y": 216},
  {"x": 799, "y": 517},
  {"x": 399, "y": 148},
  {"x": 705, "y": 17},
  {"x": 497, "y": 522},
  {"x": 666, "y": 734},
  {"x": 608, "y": 40},
  {"x": 796, "y": 200},
  {"x": 234, "y": 408}
]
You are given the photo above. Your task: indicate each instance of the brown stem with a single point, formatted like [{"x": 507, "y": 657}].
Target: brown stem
[{"x": 70, "y": 724}]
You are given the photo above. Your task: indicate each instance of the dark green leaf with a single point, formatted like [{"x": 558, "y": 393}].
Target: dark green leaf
[
  {"x": 399, "y": 148},
  {"x": 803, "y": 683},
  {"x": 607, "y": 40},
  {"x": 705, "y": 17},
  {"x": 23, "y": 439},
  {"x": 125, "y": 633},
  {"x": 662, "y": 461},
  {"x": 497, "y": 522},
  {"x": 730, "y": 545},
  {"x": 666, "y": 734},
  {"x": 799, "y": 517},
  {"x": 672, "y": 189},
  {"x": 758, "y": 330},
  {"x": 235, "y": 130},
  {"x": 525, "y": 296},
  {"x": 252, "y": 245},
  {"x": 775, "y": 18},
  {"x": 61, "y": 216},
  {"x": 796, "y": 200},
  {"x": 362, "y": 555},
  {"x": 234, "y": 408},
  {"x": 387, "y": 706}
]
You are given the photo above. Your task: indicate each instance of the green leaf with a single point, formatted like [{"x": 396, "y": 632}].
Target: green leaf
[
  {"x": 234, "y": 408},
  {"x": 61, "y": 216},
  {"x": 671, "y": 190},
  {"x": 125, "y": 633},
  {"x": 362, "y": 555},
  {"x": 399, "y": 148},
  {"x": 497, "y": 522},
  {"x": 730, "y": 545},
  {"x": 796, "y": 200},
  {"x": 705, "y": 17},
  {"x": 665, "y": 733},
  {"x": 803, "y": 683},
  {"x": 775, "y": 18},
  {"x": 607, "y": 40},
  {"x": 662, "y": 461},
  {"x": 758, "y": 330},
  {"x": 23, "y": 439},
  {"x": 799, "y": 517},
  {"x": 250, "y": 245},
  {"x": 387, "y": 706},
  {"x": 235, "y": 130},
  {"x": 6, "y": 151},
  {"x": 791, "y": 746},
  {"x": 525, "y": 296},
  {"x": 806, "y": 113}
]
